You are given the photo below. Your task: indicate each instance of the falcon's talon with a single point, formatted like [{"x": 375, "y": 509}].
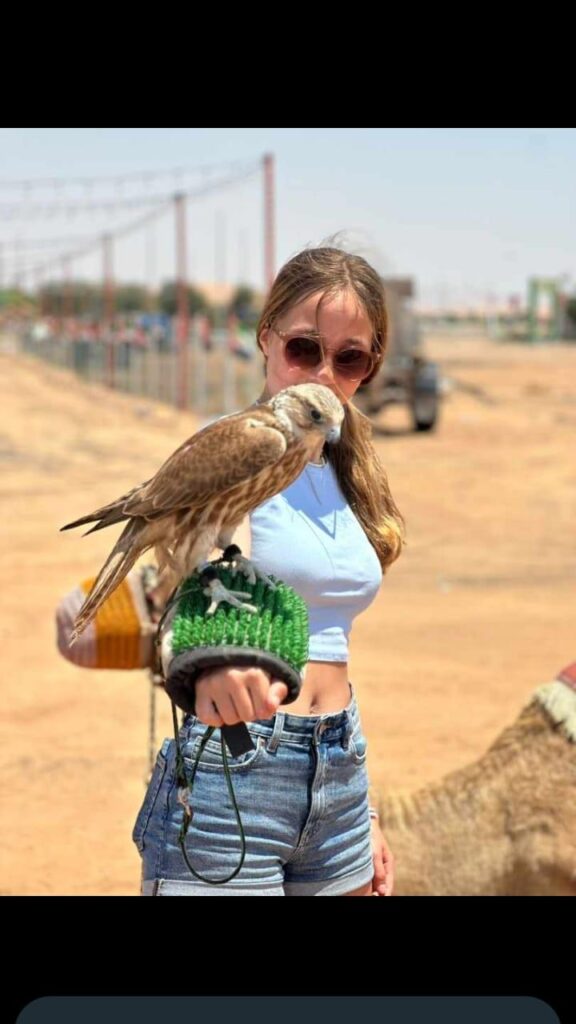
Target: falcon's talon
[
  {"x": 251, "y": 571},
  {"x": 219, "y": 593},
  {"x": 204, "y": 565}
]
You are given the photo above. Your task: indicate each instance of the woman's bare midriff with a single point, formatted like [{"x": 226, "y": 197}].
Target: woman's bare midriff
[{"x": 325, "y": 689}]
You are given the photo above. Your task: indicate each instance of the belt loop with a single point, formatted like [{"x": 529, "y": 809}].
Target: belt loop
[
  {"x": 319, "y": 730},
  {"x": 277, "y": 731},
  {"x": 347, "y": 732}
]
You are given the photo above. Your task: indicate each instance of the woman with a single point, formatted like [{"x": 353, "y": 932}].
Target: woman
[{"x": 303, "y": 790}]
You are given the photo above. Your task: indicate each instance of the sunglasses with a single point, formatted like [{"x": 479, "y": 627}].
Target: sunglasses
[{"x": 302, "y": 352}]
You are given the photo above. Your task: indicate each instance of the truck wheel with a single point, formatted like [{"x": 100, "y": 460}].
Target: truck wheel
[
  {"x": 425, "y": 411},
  {"x": 425, "y": 397}
]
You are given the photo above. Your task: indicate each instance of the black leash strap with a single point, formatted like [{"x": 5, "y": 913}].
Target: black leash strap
[
  {"x": 185, "y": 794},
  {"x": 239, "y": 741}
]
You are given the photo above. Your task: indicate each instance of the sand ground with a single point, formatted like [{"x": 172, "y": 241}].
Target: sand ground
[{"x": 475, "y": 615}]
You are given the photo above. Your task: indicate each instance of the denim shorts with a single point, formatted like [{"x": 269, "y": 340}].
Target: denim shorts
[{"x": 302, "y": 795}]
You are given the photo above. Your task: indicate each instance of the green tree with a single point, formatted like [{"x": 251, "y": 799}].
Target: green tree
[
  {"x": 15, "y": 298},
  {"x": 132, "y": 298},
  {"x": 244, "y": 305},
  {"x": 168, "y": 302},
  {"x": 84, "y": 298},
  {"x": 571, "y": 309}
]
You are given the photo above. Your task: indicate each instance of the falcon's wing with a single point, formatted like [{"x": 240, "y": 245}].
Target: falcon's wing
[{"x": 226, "y": 453}]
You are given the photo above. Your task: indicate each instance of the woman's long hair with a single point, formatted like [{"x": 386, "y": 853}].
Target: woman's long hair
[{"x": 361, "y": 476}]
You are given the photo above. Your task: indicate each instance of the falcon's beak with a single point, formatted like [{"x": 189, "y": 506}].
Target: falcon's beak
[{"x": 333, "y": 435}]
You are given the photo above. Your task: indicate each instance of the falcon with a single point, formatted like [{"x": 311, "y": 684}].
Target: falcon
[{"x": 203, "y": 491}]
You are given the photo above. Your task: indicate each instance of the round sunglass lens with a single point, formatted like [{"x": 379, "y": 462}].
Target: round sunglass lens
[
  {"x": 304, "y": 352},
  {"x": 353, "y": 363}
]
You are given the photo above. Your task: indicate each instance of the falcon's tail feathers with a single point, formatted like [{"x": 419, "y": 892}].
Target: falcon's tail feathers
[
  {"x": 108, "y": 514},
  {"x": 115, "y": 516},
  {"x": 124, "y": 554},
  {"x": 103, "y": 517}
]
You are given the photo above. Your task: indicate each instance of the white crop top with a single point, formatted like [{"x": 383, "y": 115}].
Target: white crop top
[{"x": 308, "y": 536}]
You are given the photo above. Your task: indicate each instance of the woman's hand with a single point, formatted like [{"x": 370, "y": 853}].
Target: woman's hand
[
  {"x": 383, "y": 859},
  {"x": 225, "y": 696}
]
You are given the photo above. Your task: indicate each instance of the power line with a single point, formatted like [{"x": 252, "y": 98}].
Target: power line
[
  {"x": 35, "y": 210},
  {"x": 94, "y": 244},
  {"x": 49, "y": 209},
  {"x": 118, "y": 179},
  {"x": 159, "y": 209},
  {"x": 21, "y": 244}
]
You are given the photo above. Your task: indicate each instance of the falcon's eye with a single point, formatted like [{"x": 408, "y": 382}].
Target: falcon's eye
[{"x": 316, "y": 415}]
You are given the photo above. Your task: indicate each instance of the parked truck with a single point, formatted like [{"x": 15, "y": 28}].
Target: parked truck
[{"x": 406, "y": 376}]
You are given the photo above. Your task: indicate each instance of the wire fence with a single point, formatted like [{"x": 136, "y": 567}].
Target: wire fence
[{"x": 214, "y": 372}]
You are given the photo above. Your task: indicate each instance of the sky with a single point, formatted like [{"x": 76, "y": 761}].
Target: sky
[{"x": 469, "y": 213}]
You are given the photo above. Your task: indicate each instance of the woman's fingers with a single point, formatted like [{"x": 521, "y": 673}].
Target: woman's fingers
[
  {"x": 228, "y": 696},
  {"x": 205, "y": 707},
  {"x": 276, "y": 694}
]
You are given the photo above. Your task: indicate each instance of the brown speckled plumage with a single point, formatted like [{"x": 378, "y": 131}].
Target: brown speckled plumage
[{"x": 202, "y": 492}]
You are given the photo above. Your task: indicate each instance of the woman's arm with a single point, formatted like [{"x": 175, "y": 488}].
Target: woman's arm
[{"x": 228, "y": 695}]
